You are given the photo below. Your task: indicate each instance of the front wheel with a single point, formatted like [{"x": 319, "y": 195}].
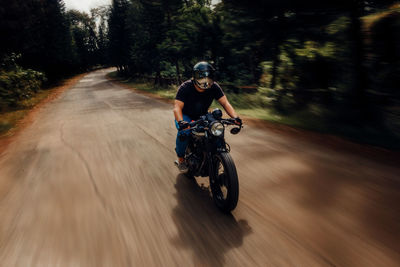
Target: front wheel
[{"x": 224, "y": 182}]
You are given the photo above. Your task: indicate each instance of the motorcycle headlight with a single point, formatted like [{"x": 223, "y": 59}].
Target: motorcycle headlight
[{"x": 217, "y": 129}]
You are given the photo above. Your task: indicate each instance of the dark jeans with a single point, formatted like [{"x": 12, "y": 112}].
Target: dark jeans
[{"x": 181, "y": 143}]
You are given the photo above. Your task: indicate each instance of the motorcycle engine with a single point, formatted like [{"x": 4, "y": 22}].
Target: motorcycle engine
[
  {"x": 194, "y": 159},
  {"x": 194, "y": 162}
]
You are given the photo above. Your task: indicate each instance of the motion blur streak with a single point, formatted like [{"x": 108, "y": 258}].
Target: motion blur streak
[{"x": 92, "y": 183}]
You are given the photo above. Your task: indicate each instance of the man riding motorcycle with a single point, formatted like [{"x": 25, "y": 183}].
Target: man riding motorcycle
[{"x": 192, "y": 100}]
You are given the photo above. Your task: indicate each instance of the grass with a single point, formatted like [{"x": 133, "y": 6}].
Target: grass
[
  {"x": 257, "y": 106},
  {"x": 164, "y": 92},
  {"x": 251, "y": 105},
  {"x": 9, "y": 118}
]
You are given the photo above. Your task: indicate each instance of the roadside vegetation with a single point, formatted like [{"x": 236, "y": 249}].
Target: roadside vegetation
[
  {"x": 259, "y": 105},
  {"x": 9, "y": 118},
  {"x": 332, "y": 66},
  {"x": 43, "y": 44},
  {"x": 20, "y": 91}
]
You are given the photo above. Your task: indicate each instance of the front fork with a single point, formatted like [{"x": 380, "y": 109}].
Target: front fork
[
  {"x": 216, "y": 146},
  {"x": 211, "y": 169}
]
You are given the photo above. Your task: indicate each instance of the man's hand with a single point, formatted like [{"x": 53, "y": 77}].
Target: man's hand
[
  {"x": 238, "y": 121},
  {"x": 183, "y": 125}
]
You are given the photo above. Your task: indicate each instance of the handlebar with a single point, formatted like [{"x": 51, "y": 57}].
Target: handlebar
[{"x": 229, "y": 121}]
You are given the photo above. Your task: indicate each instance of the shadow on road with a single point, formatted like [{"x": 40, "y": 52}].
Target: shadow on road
[{"x": 201, "y": 227}]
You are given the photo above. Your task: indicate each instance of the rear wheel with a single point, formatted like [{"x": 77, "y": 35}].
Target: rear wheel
[{"x": 224, "y": 182}]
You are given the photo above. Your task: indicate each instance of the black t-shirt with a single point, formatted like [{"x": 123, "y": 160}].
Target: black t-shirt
[{"x": 196, "y": 103}]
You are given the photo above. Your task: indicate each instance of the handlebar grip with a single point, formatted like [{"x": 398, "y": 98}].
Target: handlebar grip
[{"x": 192, "y": 124}]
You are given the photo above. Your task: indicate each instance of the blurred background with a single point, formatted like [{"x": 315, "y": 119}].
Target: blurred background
[{"x": 329, "y": 66}]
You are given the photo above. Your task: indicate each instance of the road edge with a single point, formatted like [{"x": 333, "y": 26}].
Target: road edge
[{"x": 7, "y": 138}]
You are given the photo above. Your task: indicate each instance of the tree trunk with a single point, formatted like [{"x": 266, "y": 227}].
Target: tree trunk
[
  {"x": 276, "y": 51},
  {"x": 358, "y": 94},
  {"x": 275, "y": 65},
  {"x": 157, "y": 79},
  {"x": 178, "y": 73}
]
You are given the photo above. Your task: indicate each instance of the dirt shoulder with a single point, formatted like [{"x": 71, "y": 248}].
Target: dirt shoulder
[
  {"x": 10, "y": 135},
  {"x": 330, "y": 141},
  {"x": 136, "y": 90}
]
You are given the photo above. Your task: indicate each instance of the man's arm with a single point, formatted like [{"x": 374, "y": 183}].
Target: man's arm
[
  {"x": 178, "y": 106},
  {"x": 227, "y": 106}
]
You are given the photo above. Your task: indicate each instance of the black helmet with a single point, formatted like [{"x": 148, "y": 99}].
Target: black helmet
[{"x": 203, "y": 75}]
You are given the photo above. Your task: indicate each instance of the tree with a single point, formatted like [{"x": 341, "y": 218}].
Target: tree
[
  {"x": 190, "y": 37},
  {"x": 101, "y": 14},
  {"x": 119, "y": 34},
  {"x": 85, "y": 38}
]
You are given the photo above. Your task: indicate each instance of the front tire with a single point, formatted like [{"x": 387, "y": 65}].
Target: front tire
[
  {"x": 189, "y": 175},
  {"x": 224, "y": 182}
]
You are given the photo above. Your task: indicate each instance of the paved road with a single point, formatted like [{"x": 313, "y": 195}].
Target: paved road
[{"x": 91, "y": 183}]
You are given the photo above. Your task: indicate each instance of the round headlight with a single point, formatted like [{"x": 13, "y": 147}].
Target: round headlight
[{"x": 217, "y": 129}]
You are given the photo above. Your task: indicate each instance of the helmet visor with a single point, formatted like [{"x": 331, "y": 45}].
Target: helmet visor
[
  {"x": 203, "y": 74},
  {"x": 205, "y": 83},
  {"x": 204, "y": 79}
]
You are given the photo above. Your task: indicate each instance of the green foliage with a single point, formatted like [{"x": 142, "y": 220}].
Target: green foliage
[
  {"x": 51, "y": 40},
  {"x": 85, "y": 43},
  {"x": 383, "y": 66},
  {"x": 167, "y": 69},
  {"x": 153, "y": 37},
  {"x": 9, "y": 62},
  {"x": 323, "y": 58},
  {"x": 120, "y": 33},
  {"x": 17, "y": 85}
]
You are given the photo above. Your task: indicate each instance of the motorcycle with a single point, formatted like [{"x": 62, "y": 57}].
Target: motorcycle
[{"x": 207, "y": 154}]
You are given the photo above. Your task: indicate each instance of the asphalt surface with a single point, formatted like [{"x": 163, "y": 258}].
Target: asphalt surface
[{"x": 91, "y": 182}]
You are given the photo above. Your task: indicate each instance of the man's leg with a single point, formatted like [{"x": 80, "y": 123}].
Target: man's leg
[{"x": 181, "y": 144}]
